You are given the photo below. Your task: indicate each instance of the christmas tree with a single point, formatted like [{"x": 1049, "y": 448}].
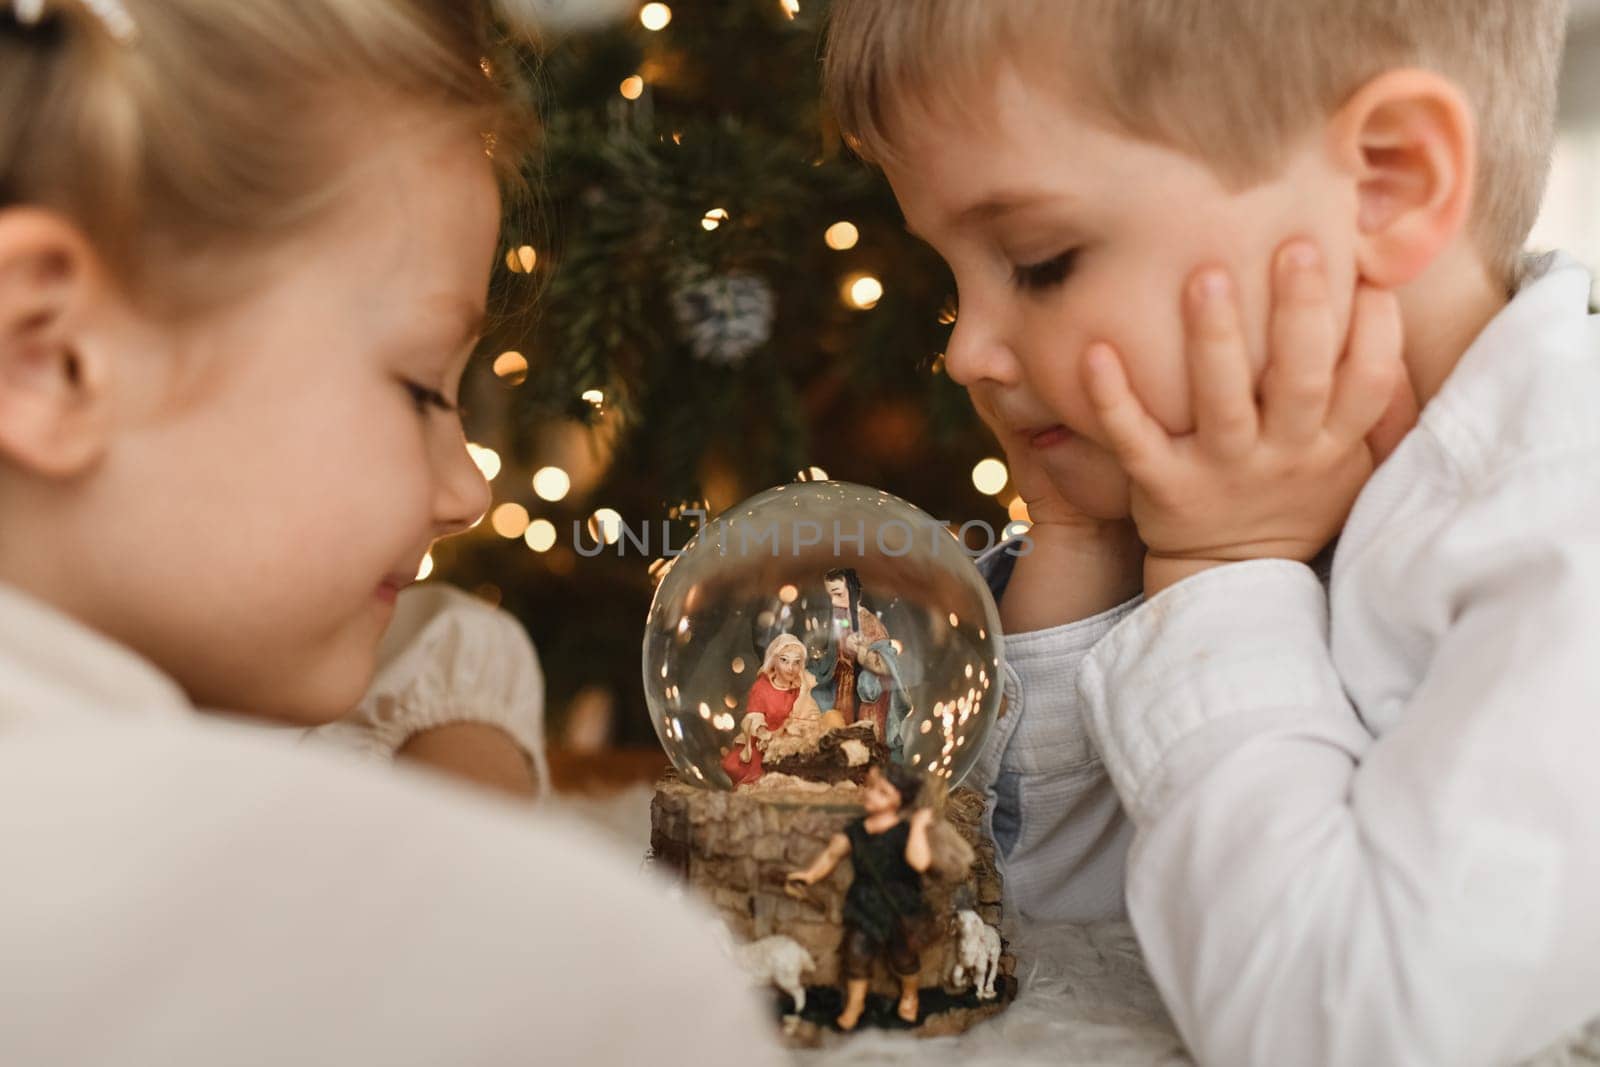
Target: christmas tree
[{"x": 712, "y": 296}]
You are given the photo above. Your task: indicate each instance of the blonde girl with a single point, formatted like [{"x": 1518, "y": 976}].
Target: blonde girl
[{"x": 244, "y": 250}]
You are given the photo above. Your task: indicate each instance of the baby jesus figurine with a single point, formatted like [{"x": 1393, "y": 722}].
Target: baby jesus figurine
[
  {"x": 884, "y": 911},
  {"x": 780, "y": 716}
]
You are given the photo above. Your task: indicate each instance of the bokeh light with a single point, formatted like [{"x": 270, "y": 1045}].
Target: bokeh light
[
  {"x": 990, "y": 476},
  {"x": 842, "y": 236},
  {"x": 862, "y": 291},
  {"x": 509, "y": 520},
  {"x": 655, "y": 16},
  {"x": 551, "y": 483},
  {"x": 511, "y": 367},
  {"x": 487, "y": 459},
  {"x": 540, "y": 535},
  {"x": 521, "y": 260},
  {"x": 605, "y": 526}
]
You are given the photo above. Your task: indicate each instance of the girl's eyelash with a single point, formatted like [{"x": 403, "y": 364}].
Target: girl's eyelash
[
  {"x": 1047, "y": 273},
  {"x": 425, "y": 398}
]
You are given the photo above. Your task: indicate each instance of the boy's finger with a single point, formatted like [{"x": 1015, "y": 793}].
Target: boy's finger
[
  {"x": 1219, "y": 367},
  {"x": 1303, "y": 347},
  {"x": 1138, "y": 441},
  {"x": 1367, "y": 379}
]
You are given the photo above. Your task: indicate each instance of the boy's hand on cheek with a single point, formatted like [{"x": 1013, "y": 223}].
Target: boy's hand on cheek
[{"x": 1262, "y": 476}]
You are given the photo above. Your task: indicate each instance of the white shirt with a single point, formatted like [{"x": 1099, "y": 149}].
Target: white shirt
[
  {"x": 1368, "y": 820},
  {"x": 1061, "y": 837},
  {"x": 175, "y": 892}
]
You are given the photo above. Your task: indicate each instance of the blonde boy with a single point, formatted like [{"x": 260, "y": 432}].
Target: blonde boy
[{"x": 1213, "y": 259}]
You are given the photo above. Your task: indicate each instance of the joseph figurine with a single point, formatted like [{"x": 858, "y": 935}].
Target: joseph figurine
[{"x": 854, "y": 681}]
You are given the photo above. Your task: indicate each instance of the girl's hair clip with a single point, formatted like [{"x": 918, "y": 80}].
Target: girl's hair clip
[{"x": 110, "y": 13}]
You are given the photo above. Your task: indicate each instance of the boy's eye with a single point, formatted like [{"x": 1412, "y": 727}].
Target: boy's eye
[
  {"x": 425, "y": 399},
  {"x": 1047, "y": 273}
]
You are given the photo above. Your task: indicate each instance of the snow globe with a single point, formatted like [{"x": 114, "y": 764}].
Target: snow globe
[{"x": 823, "y": 664}]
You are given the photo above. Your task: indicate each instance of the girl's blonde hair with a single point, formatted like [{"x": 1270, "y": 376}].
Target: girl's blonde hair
[
  {"x": 223, "y": 126},
  {"x": 1230, "y": 82}
]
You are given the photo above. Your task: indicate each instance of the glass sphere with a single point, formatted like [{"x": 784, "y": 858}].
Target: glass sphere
[{"x": 830, "y": 592}]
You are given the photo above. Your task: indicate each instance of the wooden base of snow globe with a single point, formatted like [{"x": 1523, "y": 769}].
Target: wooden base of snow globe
[{"x": 738, "y": 849}]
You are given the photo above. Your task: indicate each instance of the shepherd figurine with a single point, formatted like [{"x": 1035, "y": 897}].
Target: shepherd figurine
[{"x": 885, "y": 914}]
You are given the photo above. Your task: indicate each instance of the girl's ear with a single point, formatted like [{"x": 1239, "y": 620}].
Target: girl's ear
[{"x": 54, "y": 402}]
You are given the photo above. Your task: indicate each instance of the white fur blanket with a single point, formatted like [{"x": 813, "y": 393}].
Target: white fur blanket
[{"x": 1085, "y": 996}]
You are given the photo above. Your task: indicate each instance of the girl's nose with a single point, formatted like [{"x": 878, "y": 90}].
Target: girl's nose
[
  {"x": 462, "y": 493},
  {"x": 978, "y": 352}
]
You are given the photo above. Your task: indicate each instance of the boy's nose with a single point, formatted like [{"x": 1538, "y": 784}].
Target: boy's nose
[{"x": 462, "y": 494}]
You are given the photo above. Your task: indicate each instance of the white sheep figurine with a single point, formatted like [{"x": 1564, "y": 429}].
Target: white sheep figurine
[
  {"x": 777, "y": 960},
  {"x": 978, "y": 954}
]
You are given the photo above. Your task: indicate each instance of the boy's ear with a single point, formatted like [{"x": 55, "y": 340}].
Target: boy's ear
[
  {"x": 53, "y": 385},
  {"x": 1410, "y": 140}
]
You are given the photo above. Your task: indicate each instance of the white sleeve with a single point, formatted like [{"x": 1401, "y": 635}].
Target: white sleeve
[
  {"x": 192, "y": 896},
  {"x": 1305, "y": 894},
  {"x": 448, "y": 657}
]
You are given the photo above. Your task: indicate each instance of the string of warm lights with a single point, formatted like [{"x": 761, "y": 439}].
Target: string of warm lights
[
  {"x": 858, "y": 290},
  {"x": 656, "y": 16}
]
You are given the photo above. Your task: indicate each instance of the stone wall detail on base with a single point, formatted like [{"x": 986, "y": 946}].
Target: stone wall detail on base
[{"x": 736, "y": 848}]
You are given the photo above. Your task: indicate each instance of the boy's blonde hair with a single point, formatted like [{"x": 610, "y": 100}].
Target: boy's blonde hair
[
  {"x": 1231, "y": 82},
  {"x": 222, "y": 126}
]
